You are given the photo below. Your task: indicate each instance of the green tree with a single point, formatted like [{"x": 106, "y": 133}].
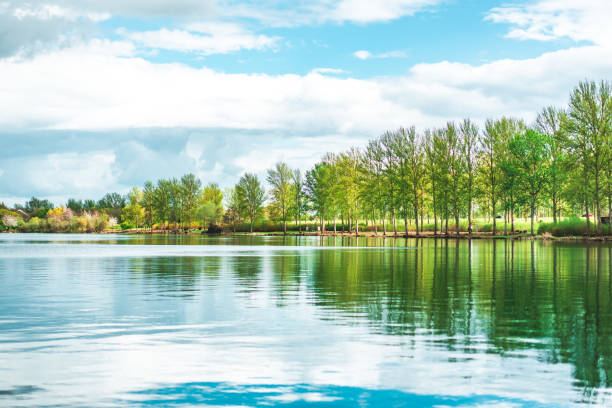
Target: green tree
[
  {"x": 280, "y": 178},
  {"x": 299, "y": 198},
  {"x": 550, "y": 122},
  {"x": 531, "y": 153},
  {"x": 190, "y": 191},
  {"x": 590, "y": 111},
  {"x": 212, "y": 197},
  {"x": 148, "y": 202},
  {"x": 251, "y": 196},
  {"x": 232, "y": 203},
  {"x": 470, "y": 150}
]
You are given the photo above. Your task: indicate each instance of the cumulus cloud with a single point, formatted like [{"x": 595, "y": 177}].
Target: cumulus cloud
[
  {"x": 202, "y": 38},
  {"x": 324, "y": 71},
  {"x": 544, "y": 20},
  {"x": 307, "y": 12},
  {"x": 38, "y": 25},
  {"x": 28, "y": 28},
  {"x": 366, "y": 11},
  {"x": 132, "y": 8},
  {"x": 84, "y": 89},
  {"x": 364, "y": 54}
]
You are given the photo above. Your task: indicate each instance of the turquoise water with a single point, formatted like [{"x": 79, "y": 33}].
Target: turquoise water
[{"x": 105, "y": 321}]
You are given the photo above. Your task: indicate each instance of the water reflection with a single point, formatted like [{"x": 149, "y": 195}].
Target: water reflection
[{"x": 338, "y": 321}]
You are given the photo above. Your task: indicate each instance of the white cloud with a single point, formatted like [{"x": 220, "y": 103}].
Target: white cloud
[
  {"x": 80, "y": 88},
  {"x": 218, "y": 38},
  {"x": 57, "y": 172},
  {"x": 324, "y": 71},
  {"x": 364, "y": 54},
  {"x": 544, "y": 20},
  {"x": 366, "y": 11},
  {"x": 308, "y": 12}
]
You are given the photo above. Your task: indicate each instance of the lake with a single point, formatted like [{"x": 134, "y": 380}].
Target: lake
[{"x": 119, "y": 320}]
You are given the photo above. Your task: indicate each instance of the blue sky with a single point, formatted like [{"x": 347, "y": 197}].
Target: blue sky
[{"x": 103, "y": 95}]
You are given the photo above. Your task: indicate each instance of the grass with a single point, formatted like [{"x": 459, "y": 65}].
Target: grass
[{"x": 573, "y": 226}]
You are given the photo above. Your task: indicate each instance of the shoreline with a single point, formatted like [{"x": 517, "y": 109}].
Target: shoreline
[{"x": 369, "y": 234}]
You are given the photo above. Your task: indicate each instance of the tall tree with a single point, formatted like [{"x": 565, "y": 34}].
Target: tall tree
[
  {"x": 590, "y": 110},
  {"x": 148, "y": 201},
  {"x": 531, "y": 153},
  {"x": 212, "y": 199},
  {"x": 456, "y": 168},
  {"x": 251, "y": 196},
  {"x": 549, "y": 122},
  {"x": 319, "y": 190},
  {"x": 190, "y": 191},
  {"x": 280, "y": 178},
  {"x": 470, "y": 146},
  {"x": 299, "y": 199}
]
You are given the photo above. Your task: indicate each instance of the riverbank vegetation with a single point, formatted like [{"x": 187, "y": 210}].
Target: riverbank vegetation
[{"x": 448, "y": 180}]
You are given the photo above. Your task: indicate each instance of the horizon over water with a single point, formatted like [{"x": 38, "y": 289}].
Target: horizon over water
[{"x": 121, "y": 320}]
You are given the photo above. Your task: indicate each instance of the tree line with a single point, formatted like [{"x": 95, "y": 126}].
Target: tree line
[{"x": 438, "y": 179}]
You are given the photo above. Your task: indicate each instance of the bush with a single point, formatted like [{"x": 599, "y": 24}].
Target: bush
[
  {"x": 573, "y": 226},
  {"x": 126, "y": 225}
]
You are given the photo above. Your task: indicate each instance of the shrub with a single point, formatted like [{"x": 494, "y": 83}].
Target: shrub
[
  {"x": 573, "y": 226},
  {"x": 126, "y": 225}
]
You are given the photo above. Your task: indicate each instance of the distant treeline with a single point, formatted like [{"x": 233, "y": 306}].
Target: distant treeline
[{"x": 438, "y": 179}]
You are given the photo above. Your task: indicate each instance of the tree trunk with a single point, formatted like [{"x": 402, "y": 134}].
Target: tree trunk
[
  {"x": 335, "y": 222},
  {"x": 457, "y": 222},
  {"x": 433, "y": 195},
  {"x": 586, "y": 201},
  {"x": 597, "y": 203},
  {"x": 532, "y": 215},
  {"x": 470, "y": 212},
  {"x": 494, "y": 216},
  {"x": 394, "y": 224},
  {"x": 374, "y": 222},
  {"x": 505, "y": 220},
  {"x": 384, "y": 215}
]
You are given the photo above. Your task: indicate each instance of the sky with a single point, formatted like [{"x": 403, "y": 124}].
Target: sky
[{"x": 101, "y": 95}]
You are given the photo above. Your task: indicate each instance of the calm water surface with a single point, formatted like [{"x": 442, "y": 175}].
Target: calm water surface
[{"x": 102, "y": 320}]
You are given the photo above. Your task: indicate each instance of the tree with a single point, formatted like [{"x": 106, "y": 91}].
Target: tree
[
  {"x": 133, "y": 213},
  {"x": 590, "y": 111},
  {"x": 470, "y": 150},
  {"x": 148, "y": 203},
  {"x": 75, "y": 205},
  {"x": 531, "y": 152},
  {"x": 280, "y": 179},
  {"x": 212, "y": 197},
  {"x": 455, "y": 160},
  {"x": 35, "y": 204},
  {"x": 161, "y": 201},
  {"x": 251, "y": 196},
  {"x": 319, "y": 190},
  {"x": 190, "y": 189},
  {"x": 550, "y": 122},
  {"x": 113, "y": 203},
  {"x": 232, "y": 203},
  {"x": 299, "y": 199}
]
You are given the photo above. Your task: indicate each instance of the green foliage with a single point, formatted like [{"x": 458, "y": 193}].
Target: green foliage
[
  {"x": 573, "y": 226},
  {"x": 126, "y": 225},
  {"x": 280, "y": 179},
  {"x": 34, "y": 204},
  {"x": 251, "y": 196}
]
